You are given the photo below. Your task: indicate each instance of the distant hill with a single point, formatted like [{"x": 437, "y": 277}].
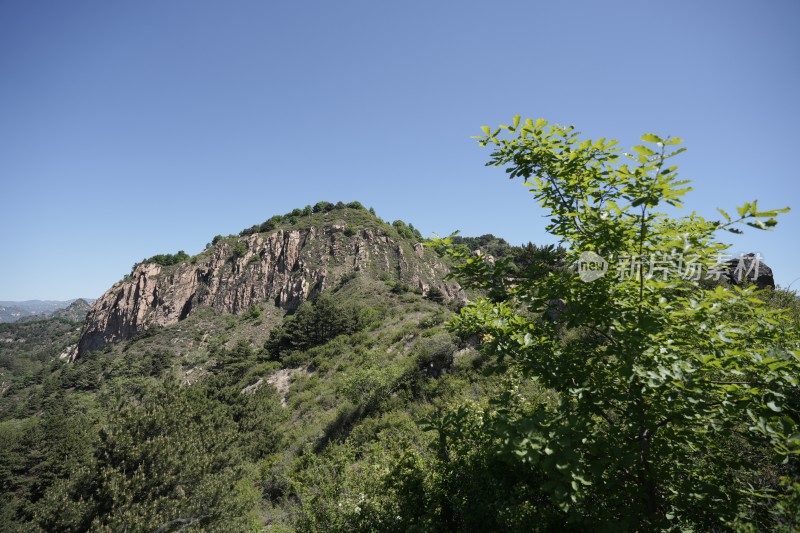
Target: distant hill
[
  {"x": 11, "y": 311},
  {"x": 74, "y": 312}
]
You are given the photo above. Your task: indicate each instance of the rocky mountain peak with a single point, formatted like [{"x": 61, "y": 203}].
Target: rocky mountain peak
[{"x": 303, "y": 256}]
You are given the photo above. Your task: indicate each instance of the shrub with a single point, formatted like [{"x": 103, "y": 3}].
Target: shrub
[
  {"x": 407, "y": 231},
  {"x": 168, "y": 259},
  {"x": 322, "y": 207},
  {"x": 254, "y": 313},
  {"x": 239, "y": 249},
  {"x": 400, "y": 288},
  {"x": 435, "y": 354},
  {"x": 270, "y": 224},
  {"x": 435, "y": 294},
  {"x": 345, "y": 279}
]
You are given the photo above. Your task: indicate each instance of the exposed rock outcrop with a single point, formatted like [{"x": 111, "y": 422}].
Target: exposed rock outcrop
[
  {"x": 285, "y": 267},
  {"x": 749, "y": 268}
]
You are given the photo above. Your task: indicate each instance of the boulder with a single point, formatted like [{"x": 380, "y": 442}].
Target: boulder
[{"x": 749, "y": 268}]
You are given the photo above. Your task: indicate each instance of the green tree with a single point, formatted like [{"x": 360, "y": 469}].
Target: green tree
[
  {"x": 322, "y": 207},
  {"x": 259, "y": 415},
  {"x": 678, "y": 404},
  {"x": 168, "y": 460},
  {"x": 37, "y": 458},
  {"x": 407, "y": 231},
  {"x": 270, "y": 224},
  {"x": 314, "y": 323},
  {"x": 168, "y": 259},
  {"x": 255, "y": 312},
  {"x": 435, "y": 294},
  {"x": 239, "y": 249}
]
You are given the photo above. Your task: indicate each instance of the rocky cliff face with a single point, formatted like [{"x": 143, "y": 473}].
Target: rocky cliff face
[{"x": 284, "y": 268}]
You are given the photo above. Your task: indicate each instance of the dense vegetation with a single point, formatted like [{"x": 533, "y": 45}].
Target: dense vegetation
[
  {"x": 294, "y": 216},
  {"x": 549, "y": 402},
  {"x": 357, "y": 217},
  {"x": 168, "y": 259},
  {"x": 677, "y": 399},
  {"x": 178, "y": 427},
  {"x": 30, "y": 349}
]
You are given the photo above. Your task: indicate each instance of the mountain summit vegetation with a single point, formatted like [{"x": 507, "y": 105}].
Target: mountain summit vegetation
[
  {"x": 283, "y": 262},
  {"x": 328, "y": 371}
]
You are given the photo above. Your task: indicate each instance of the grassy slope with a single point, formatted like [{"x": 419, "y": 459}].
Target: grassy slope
[
  {"x": 352, "y": 405},
  {"x": 352, "y": 391}
]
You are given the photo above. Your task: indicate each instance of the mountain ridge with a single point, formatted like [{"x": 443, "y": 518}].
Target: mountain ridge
[
  {"x": 11, "y": 311},
  {"x": 301, "y": 255}
]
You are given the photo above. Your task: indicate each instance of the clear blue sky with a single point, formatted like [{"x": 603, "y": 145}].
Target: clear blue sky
[{"x": 134, "y": 128}]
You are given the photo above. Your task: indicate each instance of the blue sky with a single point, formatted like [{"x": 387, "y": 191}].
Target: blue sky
[{"x": 134, "y": 128}]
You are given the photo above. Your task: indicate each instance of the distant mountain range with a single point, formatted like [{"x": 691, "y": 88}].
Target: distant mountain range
[{"x": 13, "y": 311}]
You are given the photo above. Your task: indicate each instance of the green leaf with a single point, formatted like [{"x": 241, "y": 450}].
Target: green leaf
[
  {"x": 643, "y": 150},
  {"x": 743, "y": 209},
  {"x": 651, "y": 138}
]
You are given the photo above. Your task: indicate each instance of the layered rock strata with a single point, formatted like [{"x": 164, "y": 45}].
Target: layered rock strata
[{"x": 285, "y": 267}]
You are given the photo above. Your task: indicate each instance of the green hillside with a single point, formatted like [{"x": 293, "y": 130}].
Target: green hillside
[
  {"x": 270, "y": 401},
  {"x": 564, "y": 395}
]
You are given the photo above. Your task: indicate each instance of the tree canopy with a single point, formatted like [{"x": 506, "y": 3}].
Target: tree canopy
[{"x": 677, "y": 399}]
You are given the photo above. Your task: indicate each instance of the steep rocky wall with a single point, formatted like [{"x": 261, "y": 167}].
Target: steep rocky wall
[{"x": 284, "y": 267}]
